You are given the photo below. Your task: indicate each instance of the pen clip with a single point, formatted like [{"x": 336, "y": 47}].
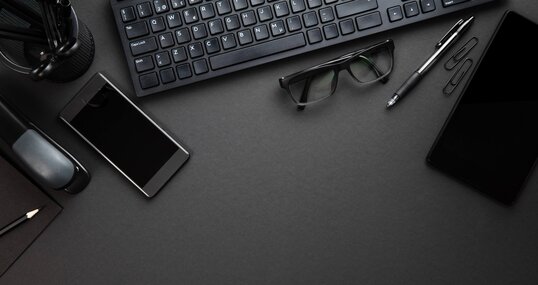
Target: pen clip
[{"x": 449, "y": 33}]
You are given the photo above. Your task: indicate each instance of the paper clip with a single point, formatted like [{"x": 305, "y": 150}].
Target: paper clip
[
  {"x": 455, "y": 80},
  {"x": 461, "y": 53}
]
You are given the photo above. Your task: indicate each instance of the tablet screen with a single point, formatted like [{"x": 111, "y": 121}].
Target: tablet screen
[{"x": 491, "y": 139}]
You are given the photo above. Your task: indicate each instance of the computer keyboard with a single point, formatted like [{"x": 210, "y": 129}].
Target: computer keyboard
[{"x": 171, "y": 43}]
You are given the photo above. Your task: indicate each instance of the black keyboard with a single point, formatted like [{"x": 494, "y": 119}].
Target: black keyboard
[{"x": 171, "y": 43}]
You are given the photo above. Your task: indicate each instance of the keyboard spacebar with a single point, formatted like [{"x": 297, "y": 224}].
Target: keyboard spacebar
[{"x": 257, "y": 51}]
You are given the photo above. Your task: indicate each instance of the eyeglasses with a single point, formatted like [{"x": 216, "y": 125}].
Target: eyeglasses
[{"x": 317, "y": 83}]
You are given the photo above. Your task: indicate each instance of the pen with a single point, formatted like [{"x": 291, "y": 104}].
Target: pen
[
  {"x": 451, "y": 37},
  {"x": 19, "y": 221}
]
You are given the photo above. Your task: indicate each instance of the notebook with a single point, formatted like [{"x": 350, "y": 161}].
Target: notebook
[{"x": 17, "y": 197}]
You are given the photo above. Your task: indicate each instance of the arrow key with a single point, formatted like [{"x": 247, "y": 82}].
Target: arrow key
[{"x": 395, "y": 13}]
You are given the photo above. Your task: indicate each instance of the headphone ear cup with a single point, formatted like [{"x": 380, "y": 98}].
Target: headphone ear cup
[{"x": 76, "y": 65}]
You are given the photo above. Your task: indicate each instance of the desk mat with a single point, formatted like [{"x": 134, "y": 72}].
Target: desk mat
[{"x": 17, "y": 197}]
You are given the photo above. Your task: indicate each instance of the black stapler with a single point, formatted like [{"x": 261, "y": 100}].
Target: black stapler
[{"x": 36, "y": 154}]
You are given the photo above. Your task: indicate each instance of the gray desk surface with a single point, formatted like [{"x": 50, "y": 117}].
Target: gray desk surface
[{"x": 339, "y": 194}]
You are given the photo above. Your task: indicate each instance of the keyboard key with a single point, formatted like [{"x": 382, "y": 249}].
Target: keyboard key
[
  {"x": 368, "y": 21},
  {"x": 149, "y": 80},
  {"x": 330, "y": 31},
  {"x": 330, "y": 1},
  {"x": 177, "y": 4},
  {"x": 240, "y": 4},
  {"x": 427, "y": 5},
  {"x": 326, "y": 14},
  {"x": 297, "y": 6},
  {"x": 167, "y": 76},
  {"x": 162, "y": 59},
  {"x": 166, "y": 40},
  {"x": 195, "y": 50},
  {"x": 161, "y": 6},
  {"x": 212, "y": 46},
  {"x": 183, "y": 36},
  {"x": 157, "y": 24},
  {"x": 411, "y": 9},
  {"x": 261, "y": 32},
  {"x": 179, "y": 54},
  {"x": 277, "y": 28},
  {"x": 223, "y": 7},
  {"x": 265, "y": 14},
  {"x": 192, "y": 2},
  {"x": 347, "y": 27},
  {"x": 190, "y": 15},
  {"x": 228, "y": 41},
  {"x": 355, "y": 7},
  {"x": 294, "y": 23},
  {"x": 314, "y": 36},
  {"x": 144, "y": 63},
  {"x": 127, "y": 14},
  {"x": 207, "y": 11},
  {"x": 144, "y": 10},
  {"x": 142, "y": 46},
  {"x": 447, "y": 3},
  {"x": 248, "y": 18},
  {"x": 256, "y": 2},
  {"x": 174, "y": 20},
  {"x": 281, "y": 9},
  {"x": 215, "y": 27},
  {"x": 136, "y": 30},
  {"x": 257, "y": 51},
  {"x": 184, "y": 71},
  {"x": 310, "y": 19},
  {"x": 313, "y": 3},
  {"x": 199, "y": 31},
  {"x": 200, "y": 66},
  {"x": 244, "y": 37},
  {"x": 395, "y": 13},
  {"x": 232, "y": 22}
]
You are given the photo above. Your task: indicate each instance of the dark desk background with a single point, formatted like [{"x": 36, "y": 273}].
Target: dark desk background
[{"x": 339, "y": 194}]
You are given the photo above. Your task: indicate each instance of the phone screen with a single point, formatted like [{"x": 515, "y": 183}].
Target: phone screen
[
  {"x": 124, "y": 135},
  {"x": 490, "y": 140}
]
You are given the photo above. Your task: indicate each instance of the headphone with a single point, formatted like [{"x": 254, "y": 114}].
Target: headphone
[{"x": 56, "y": 45}]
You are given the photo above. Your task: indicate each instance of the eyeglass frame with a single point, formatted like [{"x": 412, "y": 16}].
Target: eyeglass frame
[{"x": 338, "y": 64}]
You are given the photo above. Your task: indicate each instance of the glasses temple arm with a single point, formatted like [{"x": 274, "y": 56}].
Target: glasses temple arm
[{"x": 304, "y": 94}]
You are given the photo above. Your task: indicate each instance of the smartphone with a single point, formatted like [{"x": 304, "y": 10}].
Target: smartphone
[{"x": 126, "y": 137}]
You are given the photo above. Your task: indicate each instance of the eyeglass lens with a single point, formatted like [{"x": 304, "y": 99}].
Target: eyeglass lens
[
  {"x": 372, "y": 65},
  {"x": 314, "y": 88}
]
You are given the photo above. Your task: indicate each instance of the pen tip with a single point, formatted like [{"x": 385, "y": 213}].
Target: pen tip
[{"x": 391, "y": 103}]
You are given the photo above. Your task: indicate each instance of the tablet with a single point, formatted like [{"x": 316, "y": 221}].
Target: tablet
[{"x": 490, "y": 139}]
